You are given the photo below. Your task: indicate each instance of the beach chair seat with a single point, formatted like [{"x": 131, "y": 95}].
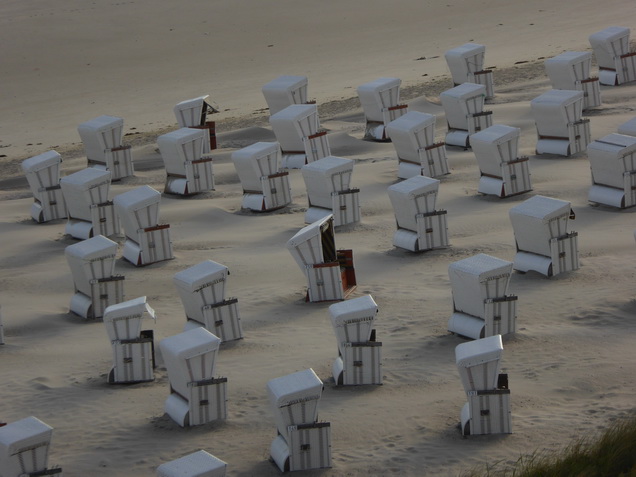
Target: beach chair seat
[
  {"x": 380, "y": 100},
  {"x": 465, "y": 115},
  {"x": 103, "y": 143},
  {"x": 43, "y": 175},
  {"x": 466, "y": 64}
]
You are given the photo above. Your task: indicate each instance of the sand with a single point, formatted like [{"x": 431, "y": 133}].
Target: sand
[{"x": 571, "y": 364}]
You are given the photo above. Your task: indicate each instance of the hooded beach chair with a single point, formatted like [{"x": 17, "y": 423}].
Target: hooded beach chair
[
  {"x": 466, "y": 64},
  {"x": 540, "y": 225},
  {"x": 43, "y": 175},
  {"x": 329, "y": 272},
  {"x": 482, "y": 306},
  {"x": 571, "y": 71},
  {"x": 297, "y": 130},
  {"x": 92, "y": 264},
  {"x": 285, "y": 91},
  {"x": 420, "y": 226},
  {"x": 413, "y": 136},
  {"x": 202, "y": 291},
  {"x": 24, "y": 448},
  {"x": 103, "y": 144},
  {"x": 187, "y": 172},
  {"x": 628, "y": 128},
  {"x": 90, "y": 213},
  {"x": 380, "y": 100},
  {"x": 193, "y": 113},
  {"x": 616, "y": 64},
  {"x": 488, "y": 408},
  {"x": 133, "y": 348},
  {"x": 465, "y": 115},
  {"x": 329, "y": 191},
  {"x": 265, "y": 184},
  {"x": 197, "y": 464},
  {"x": 502, "y": 172},
  {"x": 561, "y": 128},
  {"x": 613, "y": 163},
  {"x": 196, "y": 396},
  {"x": 147, "y": 241},
  {"x": 302, "y": 442},
  {"x": 359, "y": 358}
]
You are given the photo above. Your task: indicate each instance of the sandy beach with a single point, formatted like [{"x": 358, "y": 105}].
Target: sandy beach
[{"x": 571, "y": 364}]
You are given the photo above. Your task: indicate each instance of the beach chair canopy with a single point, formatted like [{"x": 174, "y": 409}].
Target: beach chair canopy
[
  {"x": 495, "y": 145},
  {"x": 413, "y": 196},
  {"x": 465, "y": 60},
  {"x": 200, "y": 285},
  {"x": 138, "y": 208},
  {"x": 566, "y": 69},
  {"x": 42, "y": 171},
  {"x": 193, "y": 112},
  {"x": 462, "y": 101},
  {"x": 178, "y": 147},
  {"x": 285, "y": 91},
  {"x": 555, "y": 109},
  {"x": 100, "y": 134},
  {"x": 294, "y": 123},
  {"x": 314, "y": 243},
  {"x": 258, "y": 160},
  {"x": 84, "y": 188},
  {"x": 24, "y": 435},
  {"x": 608, "y": 44},
  {"x": 353, "y": 320},
  {"x": 123, "y": 320},
  {"x": 91, "y": 259},
  {"x": 326, "y": 176},
  {"x": 197, "y": 464},
  {"x": 378, "y": 95},
  {"x": 410, "y": 133},
  {"x": 610, "y": 158},
  {"x": 478, "y": 363}
]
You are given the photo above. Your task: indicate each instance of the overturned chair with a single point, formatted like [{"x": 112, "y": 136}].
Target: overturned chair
[
  {"x": 465, "y": 115},
  {"x": 90, "y": 213},
  {"x": 197, "y": 464},
  {"x": 420, "y": 226},
  {"x": 413, "y": 136},
  {"x": 359, "y": 358},
  {"x": 380, "y": 100},
  {"x": 147, "y": 241},
  {"x": 329, "y": 272},
  {"x": 571, "y": 71},
  {"x": 92, "y": 264},
  {"x": 133, "y": 348},
  {"x": 202, "y": 291},
  {"x": 196, "y": 396},
  {"x": 24, "y": 449},
  {"x": 103, "y": 143},
  {"x": 466, "y": 64},
  {"x": 613, "y": 163},
  {"x": 482, "y": 306},
  {"x": 540, "y": 225},
  {"x": 561, "y": 127},
  {"x": 329, "y": 191},
  {"x": 285, "y": 91},
  {"x": 265, "y": 184},
  {"x": 297, "y": 129},
  {"x": 302, "y": 442},
  {"x": 187, "y": 171},
  {"x": 43, "y": 175},
  {"x": 193, "y": 113},
  {"x": 502, "y": 172},
  {"x": 488, "y": 408},
  {"x": 616, "y": 64}
]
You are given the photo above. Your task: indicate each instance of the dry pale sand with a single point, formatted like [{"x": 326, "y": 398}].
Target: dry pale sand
[{"x": 571, "y": 365}]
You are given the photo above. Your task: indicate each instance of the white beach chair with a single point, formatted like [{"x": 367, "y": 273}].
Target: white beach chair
[
  {"x": 488, "y": 408},
  {"x": 265, "y": 185},
  {"x": 297, "y": 130},
  {"x": 43, "y": 175},
  {"x": 285, "y": 91},
  {"x": 561, "y": 128},
  {"x": 193, "y": 113},
  {"x": 502, "y": 172},
  {"x": 202, "y": 291},
  {"x": 617, "y": 65},
  {"x": 196, "y": 396},
  {"x": 103, "y": 143},
  {"x": 540, "y": 225},
  {"x": 571, "y": 71},
  {"x": 197, "y": 464},
  {"x": 482, "y": 306},
  {"x": 359, "y": 358},
  {"x": 420, "y": 226},
  {"x": 329, "y": 191},
  {"x": 24, "y": 448},
  {"x": 302, "y": 443},
  {"x": 147, "y": 241},
  {"x": 628, "y": 128},
  {"x": 380, "y": 100},
  {"x": 133, "y": 348},
  {"x": 329, "y": 272},
  {"x": 187, "y": 171},
  {"x": 613, "y": 163},
  {"x": 465, "y": 115},
  {"x": 466, "y": 64},
  {"x": 90, "y": 213},
  {"x": 413, "y": 136},
  {"x": 92, "y": 264}
]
